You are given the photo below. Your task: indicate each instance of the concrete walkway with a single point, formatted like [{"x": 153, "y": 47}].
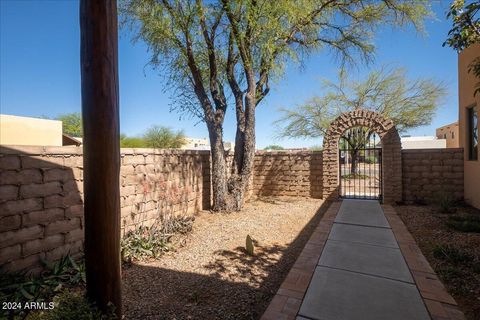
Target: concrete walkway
[{"x": 361, "y": 273}]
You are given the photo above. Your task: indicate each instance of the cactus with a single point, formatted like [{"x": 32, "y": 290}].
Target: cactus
[{"x": 249, "y": 245}]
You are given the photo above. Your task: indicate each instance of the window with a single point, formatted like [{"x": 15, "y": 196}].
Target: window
[
  {"x": 453, "y": 135},
  {"x": 472, "y": 134},
  {"x": 444, "y": 136}
]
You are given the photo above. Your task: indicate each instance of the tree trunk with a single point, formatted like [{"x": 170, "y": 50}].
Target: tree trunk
[
  {"x": 239, "y": 149},
  {"x": 239, "y": 184},
  {"x": 353, "y": 168},
  {"x": 219, "y": 169},
  {"x": 100, "y": 112},
  {"x": 231, "y": 186}
]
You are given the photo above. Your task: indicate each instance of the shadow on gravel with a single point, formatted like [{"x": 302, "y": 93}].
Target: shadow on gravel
[{"x": 223, "y": 294}]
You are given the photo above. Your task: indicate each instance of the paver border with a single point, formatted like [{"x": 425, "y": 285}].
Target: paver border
[
  {"x": 440, "y": 304},
  {"x": 286, "y": 303}
]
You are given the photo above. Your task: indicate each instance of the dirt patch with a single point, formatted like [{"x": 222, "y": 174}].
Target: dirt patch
[
  {"x": 454, "y": 255},
  {"x": 212, "y": 276}
]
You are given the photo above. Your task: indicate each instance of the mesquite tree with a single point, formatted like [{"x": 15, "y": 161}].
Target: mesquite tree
[
  {"x": 223, "y": 53},
  {"x": 410, "y": 103},
  {"x": 357, "y": 139}
]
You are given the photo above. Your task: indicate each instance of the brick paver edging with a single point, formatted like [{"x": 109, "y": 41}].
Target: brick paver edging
[
  {"x": 439, "y": 303},
  {"x": 286, "y": 303}
]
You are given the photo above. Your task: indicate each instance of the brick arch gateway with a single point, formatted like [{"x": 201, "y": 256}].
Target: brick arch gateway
[{"x": 391, "y": 153}]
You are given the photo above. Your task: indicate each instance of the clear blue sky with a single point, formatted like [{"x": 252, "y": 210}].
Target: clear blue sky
[{"x": 40, "y": 73}]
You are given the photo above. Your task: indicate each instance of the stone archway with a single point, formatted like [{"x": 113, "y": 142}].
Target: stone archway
[{"x": 391, "y": 145}]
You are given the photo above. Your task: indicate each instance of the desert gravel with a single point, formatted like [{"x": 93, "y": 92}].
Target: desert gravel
[
  {"x": 211, "y": 276},
  {"x": 462, "y": 280}
]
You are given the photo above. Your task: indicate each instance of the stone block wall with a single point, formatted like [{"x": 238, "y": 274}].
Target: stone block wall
[
  {"x": 158, "y": 183},
  {"x": 288, "y": 173},
  {"x": 431, "y": 173},
  {"x": 41, "y": 211},
  {"x": 41, "y": 190},
  {"x": 41, "y": 197}
]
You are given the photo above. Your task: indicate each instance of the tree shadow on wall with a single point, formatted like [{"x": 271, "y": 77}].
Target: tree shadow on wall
[
  {"x": 172, "y": 185},
  {"x": 41, "y": 205},
  {"x": 236, "y": 286}
]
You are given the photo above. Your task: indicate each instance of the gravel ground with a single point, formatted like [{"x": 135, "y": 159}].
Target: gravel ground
[
  {"x": 462, "y": 278},
  {"x": 211, "y": 276}
]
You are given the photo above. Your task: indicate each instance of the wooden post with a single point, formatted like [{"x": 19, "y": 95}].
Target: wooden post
[{"x": 101, "y": 151}]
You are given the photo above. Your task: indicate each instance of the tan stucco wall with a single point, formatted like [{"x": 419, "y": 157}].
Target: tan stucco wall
[
  {"x": 25, "y": 131},
  {"x": 445, "y": 132},
  {"x": 466, "y": 85}
]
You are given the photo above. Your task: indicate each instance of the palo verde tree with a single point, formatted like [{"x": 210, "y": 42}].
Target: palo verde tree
[
  {"x": 223, "y": 54},
  {"x": 164, "y": 138},
  {"x": 409, "y": 103},
  {"x": 274, "y": 147}
]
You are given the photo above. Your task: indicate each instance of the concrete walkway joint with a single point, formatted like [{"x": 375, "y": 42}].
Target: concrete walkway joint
[
  {"x": 361, "y": 263},
  {"x": 362, "y": 274}
]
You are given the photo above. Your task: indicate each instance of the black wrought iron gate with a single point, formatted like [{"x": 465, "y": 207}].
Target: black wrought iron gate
[{"x": 360, "y": 162}]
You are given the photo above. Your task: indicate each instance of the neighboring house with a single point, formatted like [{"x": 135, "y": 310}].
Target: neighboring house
[
  {"x": 71, "y": 141},
  {"x": 204, "y": 144},
  {"x": 427, "y": 142},
  {"x": 469, "y": 108},
  {"x": 15, "y": 130},
  {"x": 196, "y": 144},
  {"x": 449, "y": 132},
  {"x": 27, "y": 131}
]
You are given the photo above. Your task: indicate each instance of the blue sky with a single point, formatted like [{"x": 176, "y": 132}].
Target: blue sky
[{"x": 40, "y": 73}]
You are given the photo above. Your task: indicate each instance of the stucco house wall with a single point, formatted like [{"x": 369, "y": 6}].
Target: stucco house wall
[
  {"x": 26, "y": 131},
  {"x": 466, "y": 87}
]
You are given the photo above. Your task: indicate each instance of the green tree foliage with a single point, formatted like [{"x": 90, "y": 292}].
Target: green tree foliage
[
  {"x": 223, "y": 53},
  {"x": 274, "y": 147},
  {"x": 465, "y": 30},
  {"x": 409, "y": 103},
  {"x": 466, "y": 24},
  {"x": 132, "y": 142},
  {"x": 155, "y": 137},
  {"x": 71, "y": 123},
  {"x": 164, "y": 138}
]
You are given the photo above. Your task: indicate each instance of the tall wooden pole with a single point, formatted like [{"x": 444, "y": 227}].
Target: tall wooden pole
[{"x": 101, "y": 151}]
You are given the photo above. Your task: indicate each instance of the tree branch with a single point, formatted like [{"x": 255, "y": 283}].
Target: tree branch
[{"x": 216, "y": 89}]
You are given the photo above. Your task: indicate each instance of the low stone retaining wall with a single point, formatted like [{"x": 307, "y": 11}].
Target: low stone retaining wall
[{"x": 41, "y": 190}]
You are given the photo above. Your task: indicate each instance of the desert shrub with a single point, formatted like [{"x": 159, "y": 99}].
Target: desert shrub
[
  {"x": 369, "y": 159},
  {"x": 468, "y": 223},
  {"x": 354, "y": 176},
  {"x": 450, "y": 273},
  {"x": 274, "y": 147},
  {"x": 151, "y": 242},
  {"x": 142, "y": 243},
  {"x": 72, "y": 304},
  {"x": 446, "y": 202},
  {"x": 21, "y": 287},
  {"x": 451, "y": 254},
  {"x": 419, "y": 201}
]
